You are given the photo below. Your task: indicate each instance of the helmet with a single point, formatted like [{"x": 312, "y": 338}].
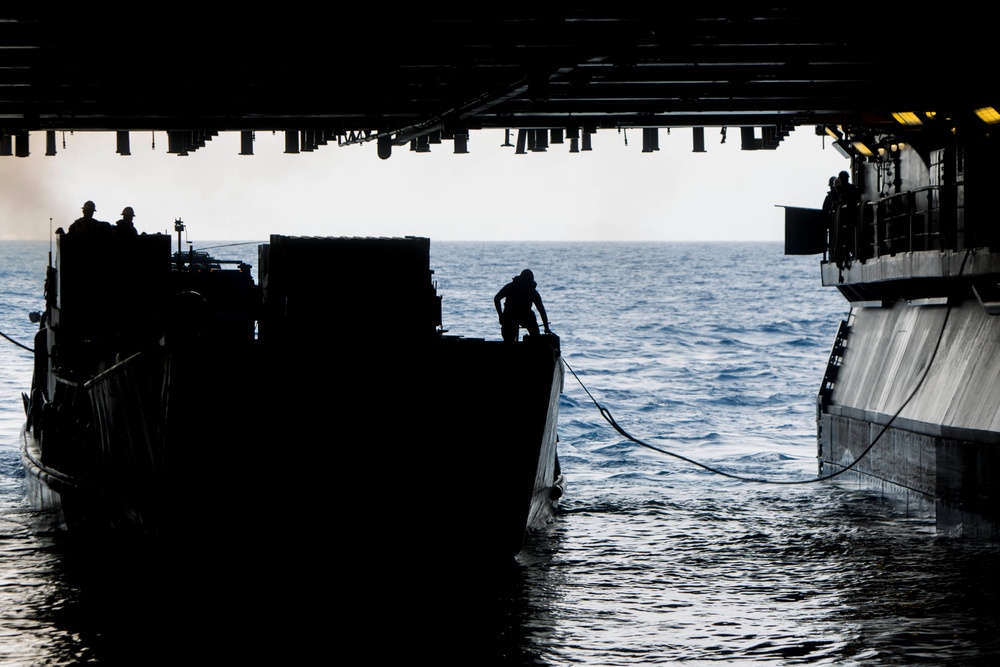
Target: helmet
[
  {"x": 128, "y": 211},
  {"x": 89, "y": 206}
]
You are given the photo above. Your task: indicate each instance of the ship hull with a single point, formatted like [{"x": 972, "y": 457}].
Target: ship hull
[{"x": 911, "y": 410}]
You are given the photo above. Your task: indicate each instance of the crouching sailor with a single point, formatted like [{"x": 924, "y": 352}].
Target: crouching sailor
[{"x": 518, "y": 296}]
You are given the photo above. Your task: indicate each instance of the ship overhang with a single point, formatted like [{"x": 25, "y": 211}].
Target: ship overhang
[{"x": 920, "y": 277}]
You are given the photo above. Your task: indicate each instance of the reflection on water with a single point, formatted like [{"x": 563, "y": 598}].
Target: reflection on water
[
  {"x": 752, "y": 575},
  {"x": 67, "y": 603},
  {"x": 823, "y": 577}
]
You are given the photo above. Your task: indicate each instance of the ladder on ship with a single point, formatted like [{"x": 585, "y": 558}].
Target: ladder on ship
[{"x": 833, "y": 365}]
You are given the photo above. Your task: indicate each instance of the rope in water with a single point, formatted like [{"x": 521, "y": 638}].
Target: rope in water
[
  {"x": 17, "y": 343},
  {"x": 614, "y": 424}
]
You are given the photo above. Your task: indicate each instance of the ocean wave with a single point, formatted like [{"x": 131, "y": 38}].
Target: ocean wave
[{"x": 765, "y": 457}]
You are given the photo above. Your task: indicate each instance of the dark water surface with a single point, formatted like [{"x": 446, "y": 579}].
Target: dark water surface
[{"x": 713, "y": 352}]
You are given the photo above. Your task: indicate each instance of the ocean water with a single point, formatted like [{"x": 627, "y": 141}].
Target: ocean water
[{"x": 710, "y": 352}]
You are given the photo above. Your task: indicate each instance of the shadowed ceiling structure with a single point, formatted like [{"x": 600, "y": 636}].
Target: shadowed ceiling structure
[{"x": 414, "y": 76}]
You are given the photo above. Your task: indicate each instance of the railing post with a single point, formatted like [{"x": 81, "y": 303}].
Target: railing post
[{"x": 910, "y": 215}]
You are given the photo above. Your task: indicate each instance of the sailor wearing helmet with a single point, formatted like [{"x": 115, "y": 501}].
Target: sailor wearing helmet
[
  {"x": 124, "y": 227},
  {"x": 87, "y": 224}
]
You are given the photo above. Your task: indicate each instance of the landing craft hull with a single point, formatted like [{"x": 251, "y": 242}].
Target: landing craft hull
[{"x": 451, "y": 443}]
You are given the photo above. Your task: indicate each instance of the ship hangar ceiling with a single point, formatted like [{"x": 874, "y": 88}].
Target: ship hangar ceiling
[{"x": 414, "y": 76}]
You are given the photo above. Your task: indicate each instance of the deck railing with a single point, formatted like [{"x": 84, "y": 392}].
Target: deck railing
[{"x": 927, "y": 218}]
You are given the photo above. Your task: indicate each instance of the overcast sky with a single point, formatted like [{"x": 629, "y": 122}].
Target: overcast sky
[{"x": 614, "y": 192}]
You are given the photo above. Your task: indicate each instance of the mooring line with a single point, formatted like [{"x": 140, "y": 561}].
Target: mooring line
[
  {"x": 17, "y": 343},
  {"x": 614, "y": 424}
]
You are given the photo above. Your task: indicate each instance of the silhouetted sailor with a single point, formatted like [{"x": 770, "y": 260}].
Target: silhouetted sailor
[
  {"x": 846, "y": 234},
  {"x": 832, "y": 196},
  {"x": 848, "y": 191},
  {"x": 518, "y": 296},
  {"x": 124, "y": 227},
  {"x": 87, "y": 224}
]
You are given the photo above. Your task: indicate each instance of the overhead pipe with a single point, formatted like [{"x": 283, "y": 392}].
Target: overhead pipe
[
  {"x": 650, "y": 139},
  {"x": 522, "y": 136},
  {"x": 698, "y": 138},
  {"x": 246, "y": 142},
  {"x": 177, "y": 142},
  {"x": 384, "y": 143},
  {"x": 21, "y": 143},
  {"x": 541, "y": 141},
  {"x": 308, "y": 140},
  {"x": 122, "y": 146}
]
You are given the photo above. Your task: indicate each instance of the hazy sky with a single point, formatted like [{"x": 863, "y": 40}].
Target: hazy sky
[{"x": 614, "y": 192}]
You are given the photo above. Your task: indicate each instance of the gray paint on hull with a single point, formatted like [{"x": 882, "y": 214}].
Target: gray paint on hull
[
  {"x": 941, "y": 450},
  {"x": 887, "y": 355}
]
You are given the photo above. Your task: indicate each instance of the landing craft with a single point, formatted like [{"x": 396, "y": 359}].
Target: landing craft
[{"x": 160, "y": 400}]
